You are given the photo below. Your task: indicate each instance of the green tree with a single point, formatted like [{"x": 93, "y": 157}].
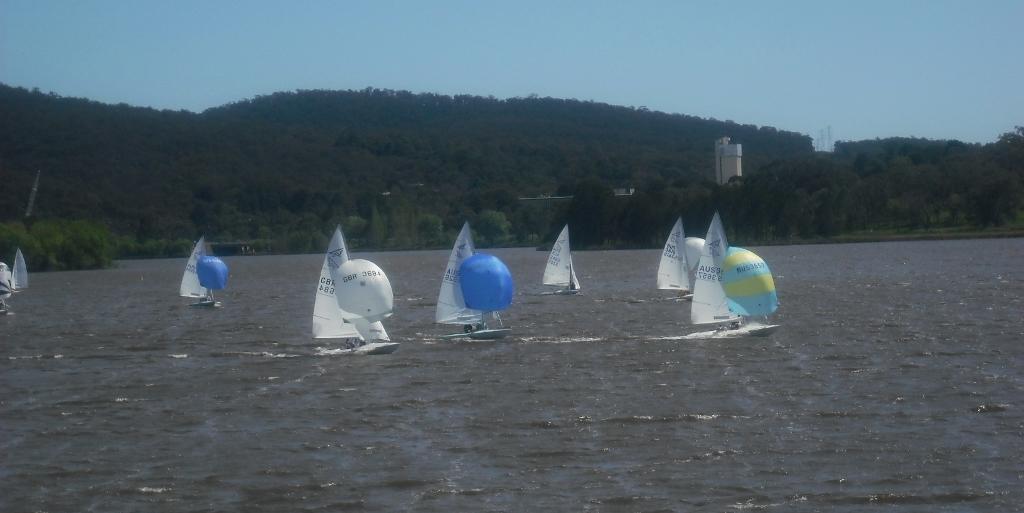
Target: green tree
[
  {"x": 354, "y": 227},
  {"x": 377, "y": 232},
  {"x": 492, "y": 227},
  {"x": 429, "y": 229}
]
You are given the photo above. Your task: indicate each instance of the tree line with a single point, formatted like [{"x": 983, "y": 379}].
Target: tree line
[{"x": 883, "y": 187}]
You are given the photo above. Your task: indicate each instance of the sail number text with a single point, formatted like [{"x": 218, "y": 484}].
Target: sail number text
[
  {"x": 709, "y": 273},
  {"x": 366, "y": 274},
  {"x": 326, "y": 285},
  {"x": 451, "y": 275},
  {"x": 753, "y": 266}
]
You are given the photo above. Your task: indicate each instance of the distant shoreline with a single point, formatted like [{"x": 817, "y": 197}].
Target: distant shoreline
[
  {"x": 839, "y": 239},
  {"x": 896, "y": 237},
  {"x": 845, "y": 239}
]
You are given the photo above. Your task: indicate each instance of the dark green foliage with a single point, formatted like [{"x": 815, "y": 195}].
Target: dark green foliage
[
  {"x": 56, "y": 245},
  {"x": 283, "y": 166},
  {"x": 591, "y": 214},
  {"x": 403, "y": 170},
  {"x": 492, "y": 228}
]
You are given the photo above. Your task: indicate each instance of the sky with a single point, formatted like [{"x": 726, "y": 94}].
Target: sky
[{"x": 937, "y": 69}]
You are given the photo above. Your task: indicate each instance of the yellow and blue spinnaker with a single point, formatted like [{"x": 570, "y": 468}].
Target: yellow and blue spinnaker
[{"x": 748, "y": 283}]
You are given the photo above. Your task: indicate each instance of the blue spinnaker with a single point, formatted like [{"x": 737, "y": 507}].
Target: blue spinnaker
[
  {"x": 213, "y": 273},
  {"x": 486, "y": 283}
]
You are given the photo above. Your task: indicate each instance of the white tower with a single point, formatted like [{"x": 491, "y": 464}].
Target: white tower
[{"x": 727, "y": 160}]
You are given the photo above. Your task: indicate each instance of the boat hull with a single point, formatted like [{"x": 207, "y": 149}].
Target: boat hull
[
  {"x": 481, "y": 334},
  {"x": 206, "y": 304},
  {"x": 749, "y": 330},
  {"x": 490, "y": 334},
  {"x": 376, "y": 348},
  {"x": 565, "y": 292}
]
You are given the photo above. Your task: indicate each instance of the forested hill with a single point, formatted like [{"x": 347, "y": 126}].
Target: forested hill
[
  {"x": 403, "y": 170},
  {"x": 301, "y": 161}
]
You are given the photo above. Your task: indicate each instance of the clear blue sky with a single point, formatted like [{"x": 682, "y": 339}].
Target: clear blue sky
[{"x": 936, "y": 69}]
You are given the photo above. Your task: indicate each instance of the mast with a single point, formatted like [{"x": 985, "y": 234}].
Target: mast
[{"x": 32, "y": 196}]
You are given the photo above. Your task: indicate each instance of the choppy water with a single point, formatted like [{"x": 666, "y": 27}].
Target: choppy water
[{"x": 895, "y": 383}]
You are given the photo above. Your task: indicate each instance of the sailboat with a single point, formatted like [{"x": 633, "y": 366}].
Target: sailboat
[
  {"x": 190, "y": 286},
  {"x": 489, "y": 290},
  {"x": 674, "y": 269},
  {"x": 213, "y": 275},
  {"x": 364, "y": 296},
  {"x": 19, "y": 278},
  {"x": 559, "y": 270},
  {"x": 328, "y": 321},
  {"x": 6, "y": 288},
  {"x": 711, "y": 304}
]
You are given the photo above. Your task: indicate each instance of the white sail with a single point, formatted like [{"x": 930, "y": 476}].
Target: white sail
[
  {"x": 190, "y": 286},
  {"x": 19, "y": 278},
  {"x": 370, "y": 331},
  {"x": 451, "y": 307},
  {"x": 709, "y": 301},
  {"x": 673, "y": 270},
  {"x": 327, "y": 319},
  {"x": 559, "y": 270}
]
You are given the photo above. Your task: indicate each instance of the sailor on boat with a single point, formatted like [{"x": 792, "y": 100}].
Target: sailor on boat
[
  {"x": 351, "y": 343},
  {"x": 734, "y": 325}
]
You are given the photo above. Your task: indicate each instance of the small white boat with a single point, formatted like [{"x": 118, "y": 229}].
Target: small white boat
[
  {"x": 711, "y": 303},
  {"x": 559, "y": 270},
  {"x": 673, "y": 271},
  {"x": 679, "y": 262},
  {"x": 190, "y": 286},
  {"x": 358, "y": 336},
  {"x": 451, "y": 302}
]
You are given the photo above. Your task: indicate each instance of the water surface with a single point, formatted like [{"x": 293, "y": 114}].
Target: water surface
[{"x": 894, "y": 383}]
